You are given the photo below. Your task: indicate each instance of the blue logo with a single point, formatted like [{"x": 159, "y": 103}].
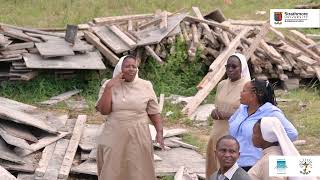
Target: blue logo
[{"x": 281, "y": 166}]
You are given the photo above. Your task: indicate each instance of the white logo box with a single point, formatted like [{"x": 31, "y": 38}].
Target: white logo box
[
  {"x": 295, "y": 18},
  {"x": 294, "y": 166}
]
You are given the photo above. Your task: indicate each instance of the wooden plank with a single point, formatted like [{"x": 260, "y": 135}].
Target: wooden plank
[
  {"x": 18, "y": 46},
  {"x": 207, "y": 29},
  {"x": 7, "y": 154},
  {"x": 9, "y": 103},
  {"x": 213, "y": 77},
  {"x": 18, "y": 34},
  {"x": 177, "y": 157},
  {"x": 275, "y": 56},
  {"x": 13, "y": 52},
  {"x": 72, "y": 147},
  {"x": 48, "y": 150},
  {"x": 306, "y": 41},
  {"x": 254, "y": 45},
  {"x": 18, "y": 130},
  {"x": 40, "y": 144},
  {"x": 154, "y": 36},
  {"x": 54, "y": 165},
  {"x": 6, "y": 175},
  {"x": 301, "y": 37},
  {"x": 179, "y": 174},
  {"x": 111, "y": 19},
  {"x": 90, "y": 134},
  {"x": 4, "y": 42},
  {"x": 94, "y": 40},
  {"x": 42, "y": 36},
  {"x": 161, "y": 102},
  {"x": 185, "y": 145},
  {"x": 60, "y": 97},
  {"x": 130, "y": 25},
  {"x": 210, "y": 23},
  {"x": 153, "y": 54},
  {"x": 90, "y": 60},
  {"x": 313, "y": 36},
  {"x": 26, "y": 176},
  {"x": 295, "y": 44},
  {"x": 111, "y": 40},
  {"x": 87, "y": 167},
  {"x": 122, "y": 36},
  {"x": 45, "y": 159},
  {"x": 291, "y": 50},
  {"x": 174, "y": 132},
  {"x": 246, "y": 22},
  {"x": 306, "y": 60},
  {"x": 164, "y": 20},
  {"x": 83, "y": 26},
  {"x": 24, "y": 118},
  {"x": 28, "y": 166},
  {"x": 19, "y": 57},
  {"x": 82, "y": 46},
  {"x": 149, "y": 23},
  {"x": 195, "y": 35},
  {"x": 30, "y": 30},
  {"x": 54, "y": 48}
]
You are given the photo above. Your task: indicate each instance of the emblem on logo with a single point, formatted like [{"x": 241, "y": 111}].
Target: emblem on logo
[
  {"x": 306, "y": 166},
  {"x": 277, "y": 17}
]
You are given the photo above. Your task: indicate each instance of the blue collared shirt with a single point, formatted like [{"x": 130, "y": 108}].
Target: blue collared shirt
[{"x": 241, "y": 127}]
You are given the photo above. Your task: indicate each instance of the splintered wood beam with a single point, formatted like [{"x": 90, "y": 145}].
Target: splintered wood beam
[
  {"x": 112, "y": 19},
  {"x": 72, "y": 147},
  {"x": 122, "y": 36},
  {"x": 208, "y": 22},
  {"x": 108, "y": 54},
  {"x": 153, "y": 54},
  {"x": 254, "y": 45},
  {"x": 164, "y": 20}
]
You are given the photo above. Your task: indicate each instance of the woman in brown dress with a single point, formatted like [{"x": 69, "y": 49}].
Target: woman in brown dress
[
  {"x": 227, "y": 102},
  {"x": 125, "y": 150}
]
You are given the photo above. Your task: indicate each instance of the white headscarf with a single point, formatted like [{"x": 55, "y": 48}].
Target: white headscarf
[
  {"x": 245, "y": 73},
  {"x": 273, "y": 131},
  {"x": 117, "y": 70}
]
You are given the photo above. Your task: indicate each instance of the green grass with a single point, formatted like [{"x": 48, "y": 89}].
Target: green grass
[
  {"x": 58, "y": 13},
  {"x": 304, "y": 111}
]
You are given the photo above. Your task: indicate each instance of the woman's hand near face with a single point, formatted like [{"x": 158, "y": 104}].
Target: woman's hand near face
[{"x": 115, "y": 81}]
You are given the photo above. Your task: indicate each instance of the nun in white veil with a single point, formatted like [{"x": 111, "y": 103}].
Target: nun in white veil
[
  {"x": 227, "y": 101},
  {"x": 270, "y": 135}
]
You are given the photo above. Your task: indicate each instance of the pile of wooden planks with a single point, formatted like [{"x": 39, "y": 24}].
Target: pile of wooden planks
[
  {"x": 289, "y": 57},
  {"x": 37, "y": 144},
  {"x": 24, "y": 51}
]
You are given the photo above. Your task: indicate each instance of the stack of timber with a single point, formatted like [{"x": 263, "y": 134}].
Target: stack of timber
[
  {"x": 25, "y": 51},
  {"x": 290, "y": 57}
]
